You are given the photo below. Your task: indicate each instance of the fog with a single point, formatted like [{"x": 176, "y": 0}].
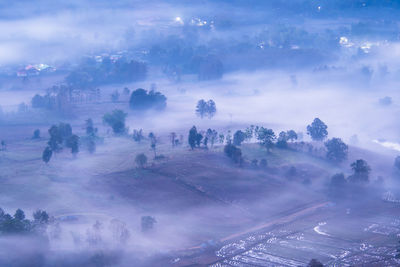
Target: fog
[{"x": 213, "y": 201}]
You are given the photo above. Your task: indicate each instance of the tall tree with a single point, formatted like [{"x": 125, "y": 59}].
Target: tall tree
[
  {"x": 56, "y": 138},
  {"x": 199, "y": 137},
  {"x": 211, "y": 108},
  {"x": 153, "y": 143},
  {"x": 90, "y": 130},
  {"x": 201, "y": 108},
  {"x": 212, "y": 136},
  {"x": 397, "y": 163},
  {"x": 73, "y": 143},
  {"x": 192, "y": 137},
  {"x": 249, "y": 133},
  {"x": 266, "y": 137},
  {"x": 317, "y": 130},
  {"x": 173, "y": 138},
  {"x": 47, "y": 153}
]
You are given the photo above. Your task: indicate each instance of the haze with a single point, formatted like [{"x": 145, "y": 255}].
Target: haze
[{"x": 199, "y": 133}]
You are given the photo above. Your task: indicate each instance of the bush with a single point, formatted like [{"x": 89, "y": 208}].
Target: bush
[
  {"x": 141, "y": 160},
  {"x": 234, "y": 153}
]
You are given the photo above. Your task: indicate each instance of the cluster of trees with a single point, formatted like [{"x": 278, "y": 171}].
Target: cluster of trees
[
  {"x": 337, "y": 150},
  {"x": 360, "y": 176},
  {"x": 58, "y": 98},
  {"x": 266, "y": 137},
  {"x": 143, "y": 100},
  {"x": 206, "y": 108},
  {"x": 91, "y": 73},
  {"x": 196, "y": 139},
  {"x": 19, "y": 224},
  {"x": 60, "y": 136},
  {"x": 178, "y": 57}
]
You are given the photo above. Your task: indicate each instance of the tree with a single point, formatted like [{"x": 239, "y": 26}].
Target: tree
[
  {"x": 266, "y": 137},
  {"x": 317, "y": 130},
  {"x": 282, "y": 140},
  {"x": 173, "y": 138},
  {"x": 221, "y": 138},
  {"x": 73, "y": 143},
  {"x": 47, "y": 153},
  {"x": 192, "y": 137},
  {"x": 336, "y": 150},
  {"x": 91, "y": 145},
  {"x": 90, "y": 130},
  {"x": 291, "y": 135},
  {"x": 201, "y": 108},
  {"x": 119, "y": 231},
  {"x": 263, "y": 163},
  {"x": 115, "y": 96},
  {"x": 147, "y": 223},
  {"x": 249, "y": 133},
  {"x": 315, "y": 263},
  {"x": 361, "y": 171},
  {"x": 153, "y": 143},
  {"x": 397, "y": 163},
  {"x": 141, "y": 160},
  {"x": 238, "y": 138},
  {"x": 36, "y": 134},
  {"x": 199, "y": 137},
  {"x": 116, "y": 119},
  {"x": 126, "y": 91},
  {"x": 56, "y": 138},
  {"x": 19, "y": 215},
  {"x": 211, "y": 108},
  {"x": 138, "y": 135},
  {"x": 338, "y": 184},
  {"x": 212, "y": 135}
]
